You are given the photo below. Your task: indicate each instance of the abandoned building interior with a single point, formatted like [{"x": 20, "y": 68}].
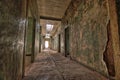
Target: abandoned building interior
[{"x": 59, "y": 39}]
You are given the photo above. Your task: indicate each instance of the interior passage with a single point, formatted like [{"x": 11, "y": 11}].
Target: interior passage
[
  {"x": 50, "y": 65},
  {"x": 59, "y": 39}
]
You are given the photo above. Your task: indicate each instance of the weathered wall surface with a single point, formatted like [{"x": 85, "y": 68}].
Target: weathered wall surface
[
  {"x": 56, "y": 43},
  {"x": 11, "y": 39},
  {"x": 88, "y": 21},
  {"x": 37, "y": 37},
  {"x": 118, "y": 13},
  {"x": 13, "y": 17},
  {"x": 115, "y": 36},
  {"x": 63, "y": 42},
  {"x": 42, "y": 43},
  {"x": 30, "y": 39},
  {"x": 108, "y": 53}
]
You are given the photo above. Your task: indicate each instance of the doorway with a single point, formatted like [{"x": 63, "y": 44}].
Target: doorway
[
  {"x": 59, "y": 43},
  {"x": 46, "y": 44},
  {"x": 30, "y": 41},
  {"x": 67, "y": 42}
]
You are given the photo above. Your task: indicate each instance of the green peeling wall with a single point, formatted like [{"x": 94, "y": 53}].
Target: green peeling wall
[{"x": 30, "y": 34}]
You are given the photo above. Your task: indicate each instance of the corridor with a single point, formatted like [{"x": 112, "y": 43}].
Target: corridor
[
  {"x": 50, "y": 65},
  {"x": 59, "y": 39}
]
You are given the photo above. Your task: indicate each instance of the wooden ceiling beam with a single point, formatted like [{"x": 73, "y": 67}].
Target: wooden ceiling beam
[{"x": 50, "y": 18}]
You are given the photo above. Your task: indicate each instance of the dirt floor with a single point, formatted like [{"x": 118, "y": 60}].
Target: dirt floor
[{"x": 50, "y": 65}]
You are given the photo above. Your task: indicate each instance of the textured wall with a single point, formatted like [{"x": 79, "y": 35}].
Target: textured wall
[
  {"x": 56, "y": 43},
  {"x": 11, "y": 39},
  {"x": 12, "y": 33},
  {"x": 62, "y": 42},
  {"x": 115, "y": 36},
  {"x": 37, "y": 35},
  {"x": 88, "y": 21},
  {"x": 108, "y": 53},
  {"x": 118, "y": 13}
]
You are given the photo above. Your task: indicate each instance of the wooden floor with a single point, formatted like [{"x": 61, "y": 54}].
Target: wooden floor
[{"x": 50, "y": 65}]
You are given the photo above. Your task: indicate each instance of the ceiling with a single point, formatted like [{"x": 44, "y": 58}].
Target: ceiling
[
  {"x": 55, "y": 23},
  {"x": 51, "y": 12}
]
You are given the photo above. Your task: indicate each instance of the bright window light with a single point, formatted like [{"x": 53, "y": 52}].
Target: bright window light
[
  {"x": 47, "y": 36},
  {"x": 46, "y": 44},
  {"x": 49, "y": 27}
]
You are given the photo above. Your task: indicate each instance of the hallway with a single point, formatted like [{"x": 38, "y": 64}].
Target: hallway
[
  {"x": 83, "y": 38},
  {"x": 50, "y": 65}
]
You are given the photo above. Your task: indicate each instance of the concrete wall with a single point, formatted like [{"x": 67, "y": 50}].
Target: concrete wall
[
  {"x": 12, "y": 25},
  {"x": 88, "y": 21},
  {"x": 13, "y": 18}
]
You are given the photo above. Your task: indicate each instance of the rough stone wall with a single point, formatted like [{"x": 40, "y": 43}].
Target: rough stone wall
[
  {"x": 114, "y": 26},
  {"x": 88, "y": 21},
  {"x": 118, "y": 13},
  {"x": 11, "y": 39},
  {"x": 108, "y": 53}
]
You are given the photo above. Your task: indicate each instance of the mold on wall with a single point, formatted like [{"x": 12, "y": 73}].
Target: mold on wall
[
  {"x": 12, "y": 27},
  {"x": 88, "y": 32}
]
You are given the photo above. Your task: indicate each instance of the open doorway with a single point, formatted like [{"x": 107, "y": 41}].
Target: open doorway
[
  {"x": 59, "y": 43},
  {"x": 66, "y": 41},
  {"x": 46, "y": 44},
  {"x": 29, "y": 40}
]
